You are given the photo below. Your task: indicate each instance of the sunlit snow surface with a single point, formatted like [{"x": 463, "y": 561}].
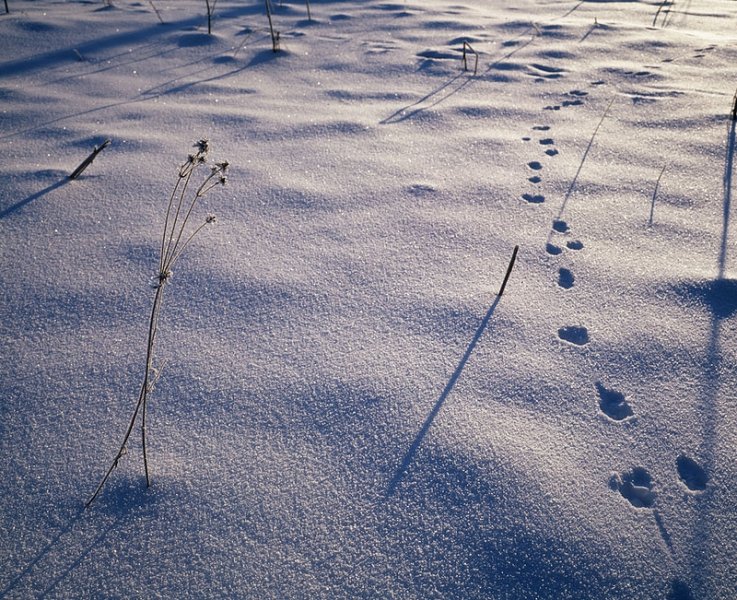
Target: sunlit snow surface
[{"x": 347, "y": 409}]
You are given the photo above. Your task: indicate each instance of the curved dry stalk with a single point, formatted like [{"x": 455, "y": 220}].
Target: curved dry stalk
[{"x": 170, "y": 252}]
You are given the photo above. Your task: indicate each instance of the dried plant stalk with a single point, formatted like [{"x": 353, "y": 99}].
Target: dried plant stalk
[{"x": 176, "y": 237}]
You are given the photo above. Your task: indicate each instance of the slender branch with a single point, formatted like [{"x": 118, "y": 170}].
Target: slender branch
[
  {"x": 166, "y": 223},
  {"x": 152, "y": 326},
  {"x": 183, "y": 191},
  {"x": 189, "y": 239},
  {"x": 216, "y": 174}
]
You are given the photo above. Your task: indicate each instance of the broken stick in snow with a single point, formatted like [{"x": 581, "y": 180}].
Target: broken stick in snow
[
  {"x": 88, "y": 161},
  {"x": 509, "y": 270}
]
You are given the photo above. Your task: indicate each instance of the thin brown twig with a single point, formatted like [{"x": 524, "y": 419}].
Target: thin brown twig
[{"x": 88, "y": 161}]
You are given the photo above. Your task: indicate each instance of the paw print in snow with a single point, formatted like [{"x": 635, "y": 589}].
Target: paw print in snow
[{"x": 636, "y": 487}]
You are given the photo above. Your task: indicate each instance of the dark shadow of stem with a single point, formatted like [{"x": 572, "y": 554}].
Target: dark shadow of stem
[
  {"x": 702, "y": 566},
  {"x": 78, "y": 560},
  {"x": 415, "y": 108},
  {"x": 574, "y": 181},
  {"x": 727, "y": 183},
  {"x": 402, "y": 114},
  {"x": 18, "y": 205},
  {"x": 42, "y": 554},
  {"x": 409, "y": 456}
]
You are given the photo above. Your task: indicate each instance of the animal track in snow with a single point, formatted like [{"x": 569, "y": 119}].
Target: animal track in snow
[
  {"x": 691, "y": 473},
  {"x": 578, "y": 336},
  {"x": 553, "y": 250},
  {"x": 613, "y": 404},
  {"x": 534, "y": 198},
  {"x": 679, "y": 591},
  {"x": 574, "y": 245},
  {"x": 547, "y": 142},
  {"x": 551, "y": 152},
  {"x": 535, "y": 179},
  {"x": 535, "y": 165},
  {"x": 565, "y": 278},
  {"x": 541, "y": 128},
  {"x": 560, "y": 226},
  {"x": 636, "y": 486},
  {"x": 577, "y": 94}
]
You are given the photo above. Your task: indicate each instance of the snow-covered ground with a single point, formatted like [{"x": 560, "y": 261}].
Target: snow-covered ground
[{"x": 347, "y": 409}]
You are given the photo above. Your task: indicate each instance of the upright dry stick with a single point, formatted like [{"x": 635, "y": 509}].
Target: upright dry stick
[
  {"x": 509, "y": 270},
  {"x": 88, "y": 161},
  {"x": 210, "y": 4},
  {"x": 655, "y": 194},
  {"x": 274, "y": 35},
  {"x": 663, "y": 4},
  {"x": 467, "y": 48},
  {"x": 173, "y": 243}
]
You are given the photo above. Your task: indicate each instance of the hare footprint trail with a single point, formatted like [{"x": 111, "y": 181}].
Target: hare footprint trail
[
  {"x": 636, "y": 487},
  {"x": 692, "y": 474},
  {"x": 573, "y": 98},
  {"x": 549, "y": 142},
  {"x": 560, "y": 226},
  {"x": 613, "y": 403},
  {"x": 679, "y": 591},
  {"x": 533, "y": 198},
  {"x": 536, "y": 165},
  {"x": 565, "y": 278},
  {"x": 573, "y": 334}
]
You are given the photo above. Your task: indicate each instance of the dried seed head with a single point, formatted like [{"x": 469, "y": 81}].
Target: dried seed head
[
  {"x": 210, "y": 219},
  {"x": 203, "y": 146},
  {"x": 186, "y": 168}
]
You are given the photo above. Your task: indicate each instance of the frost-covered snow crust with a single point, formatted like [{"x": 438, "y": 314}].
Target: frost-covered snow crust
[{"x": 347, "y": 409}]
